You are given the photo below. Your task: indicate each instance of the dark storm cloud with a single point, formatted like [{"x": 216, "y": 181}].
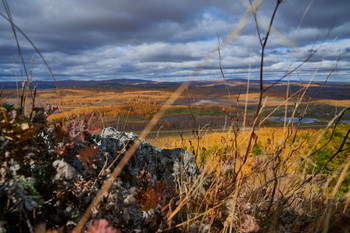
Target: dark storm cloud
[
  {"x": 323, "y": 14},
  {"x": 101, "y": 22},
  {"x": 137, "y": 39}
]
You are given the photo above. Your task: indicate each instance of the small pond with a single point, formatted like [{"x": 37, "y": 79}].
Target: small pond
[{"x": 305, "y": 120}]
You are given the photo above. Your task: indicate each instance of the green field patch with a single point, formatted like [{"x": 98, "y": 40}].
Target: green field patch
[{"x": 198, "y": 111}]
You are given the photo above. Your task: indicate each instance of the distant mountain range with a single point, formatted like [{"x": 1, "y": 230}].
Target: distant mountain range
[
  {"x": 138, "y": 83},
  {"x": 332, "y": 90},
  {"x": 74, "y": 83}
]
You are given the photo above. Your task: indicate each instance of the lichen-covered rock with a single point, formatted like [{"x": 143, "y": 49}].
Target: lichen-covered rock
[
  {"x": 146, "y": 184},
  {"x": 163, "y": 164}
]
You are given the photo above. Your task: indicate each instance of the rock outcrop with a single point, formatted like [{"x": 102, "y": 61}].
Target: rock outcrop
[
  {"x": 165, "y": 165},
  {"x": 147, "y": 183}
]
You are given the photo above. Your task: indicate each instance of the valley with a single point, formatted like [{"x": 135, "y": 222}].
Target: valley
[{"x": 128, "y": 105}]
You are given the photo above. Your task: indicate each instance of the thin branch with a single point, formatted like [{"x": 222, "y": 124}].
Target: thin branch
[
  {"x": 190, "y": 108},
  {"x": 263, "y": 46},
  {"x": 262, "y": 57},
  {"x": 329, "y": 75},
  {"x": 35, "y": 48},
  {"x": 330, "y": 137},
  {"x": 258, "y": 110},
  {"x": 13, "y": 27},
  {"x": 222, "y": 72},
  {"x": 291, "y": 71},
  {"x": 254, "y": 13},
  {"x": 340, "y": 149}
]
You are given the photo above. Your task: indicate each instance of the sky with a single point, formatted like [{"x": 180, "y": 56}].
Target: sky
[{"x": 168, "y": 40}]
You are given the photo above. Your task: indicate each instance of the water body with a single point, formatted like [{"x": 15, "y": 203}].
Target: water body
[{"x": 305, "y": 120}]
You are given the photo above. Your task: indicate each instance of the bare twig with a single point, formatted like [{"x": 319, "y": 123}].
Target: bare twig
[
  {"x": 222, "y": 72},
  {"x": 329, "y": 74},
  {"x": 340, "y": 149},
  {"x": 262, "y": 56},
  {"x": 254, "y": 13},
  {"x": 35, "y": 48},
  {"x": 13, "y": 27},
  {"x": 291, "y": 71}
]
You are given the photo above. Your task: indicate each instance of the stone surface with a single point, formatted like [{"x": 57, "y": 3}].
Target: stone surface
[{"x": 162, "y": 164}]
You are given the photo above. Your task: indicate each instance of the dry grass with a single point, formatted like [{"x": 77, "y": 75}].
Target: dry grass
[
  {"x": 265, "y": 190},
  {"x": 339, "y": 103},
  {"x": 252, "y": 179}
]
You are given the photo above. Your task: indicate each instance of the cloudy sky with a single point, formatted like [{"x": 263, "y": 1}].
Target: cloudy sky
[{"x": 167, "y": 40}]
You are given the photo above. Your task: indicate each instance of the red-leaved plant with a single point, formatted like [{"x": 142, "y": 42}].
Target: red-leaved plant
[{"x": 101, "y": 226}]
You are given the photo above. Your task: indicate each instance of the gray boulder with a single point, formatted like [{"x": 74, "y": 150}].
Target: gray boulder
[{"x": 163, "y": 164}]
